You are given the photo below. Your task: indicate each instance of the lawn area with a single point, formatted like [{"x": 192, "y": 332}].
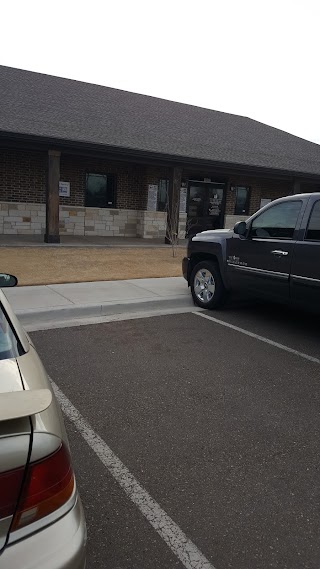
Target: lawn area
[{"x": 40, "y": 265}]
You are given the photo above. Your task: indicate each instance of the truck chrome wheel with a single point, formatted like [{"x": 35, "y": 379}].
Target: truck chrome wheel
[{"x": 204, "y": 285}]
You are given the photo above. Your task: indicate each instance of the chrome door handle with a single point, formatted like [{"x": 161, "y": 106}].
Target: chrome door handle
[{"x": 280, "y": 253}]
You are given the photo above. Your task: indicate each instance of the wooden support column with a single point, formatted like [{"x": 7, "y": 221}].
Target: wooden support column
[
  {"x": 52, "y": 199},
  {"x": 173, "y": 204}
]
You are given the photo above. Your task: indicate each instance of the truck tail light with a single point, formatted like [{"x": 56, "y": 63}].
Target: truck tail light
[{"x": 49, "y": 484}]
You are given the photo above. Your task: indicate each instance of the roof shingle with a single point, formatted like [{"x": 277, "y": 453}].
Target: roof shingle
[{"x": 51, "y": 107}]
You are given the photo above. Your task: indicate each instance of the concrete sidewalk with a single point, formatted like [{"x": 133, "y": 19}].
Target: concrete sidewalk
[{"x": 62, "y": 302}]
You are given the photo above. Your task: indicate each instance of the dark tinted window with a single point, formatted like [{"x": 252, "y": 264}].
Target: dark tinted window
[
  {"x": 9, "y": 345},
  {"x": 197, "y": 199},
  {"x": 242, "y": 201},
  {"x": 100, "y": 190},
  {"x": 313, "y": 231},
  {"x": 278, "y": 222}
]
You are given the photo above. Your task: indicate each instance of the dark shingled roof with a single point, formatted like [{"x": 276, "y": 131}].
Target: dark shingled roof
[{"x": 40, "y": 105}]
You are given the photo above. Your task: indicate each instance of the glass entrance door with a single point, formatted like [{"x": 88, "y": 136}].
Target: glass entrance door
[{"x": 205, "y": 207}]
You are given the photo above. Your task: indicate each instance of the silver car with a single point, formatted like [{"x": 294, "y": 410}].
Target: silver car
[{"x": 42, "y": 524}]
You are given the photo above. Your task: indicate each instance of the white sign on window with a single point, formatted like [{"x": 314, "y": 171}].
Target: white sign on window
[
  {"x": 152, "y": 197},
  {"x": 64, "y": 189},
  {"x": 264, "y": 202}
]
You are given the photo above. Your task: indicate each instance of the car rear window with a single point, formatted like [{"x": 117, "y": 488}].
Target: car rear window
[{"x": 9, "y": 344}]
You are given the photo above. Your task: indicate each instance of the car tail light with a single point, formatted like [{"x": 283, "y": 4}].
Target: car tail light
[
  {"x": 49, "y": 484},
  {"x": 10, "y": 485}
]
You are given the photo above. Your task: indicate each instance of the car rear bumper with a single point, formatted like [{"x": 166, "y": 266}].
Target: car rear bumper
[
  {"x": 62, "y": 545},
  {"x": 185, "y": 268}
]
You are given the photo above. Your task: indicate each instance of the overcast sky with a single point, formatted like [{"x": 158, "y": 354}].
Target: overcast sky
[{"x": 258, "y": 58}]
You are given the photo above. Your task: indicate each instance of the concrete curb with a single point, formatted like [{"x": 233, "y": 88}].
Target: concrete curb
[{"x": 78, "y": 311}]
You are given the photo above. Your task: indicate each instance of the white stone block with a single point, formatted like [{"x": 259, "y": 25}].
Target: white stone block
[{"x": 12, "y": 219}]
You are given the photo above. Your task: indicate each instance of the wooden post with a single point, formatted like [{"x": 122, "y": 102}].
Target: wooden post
[
  {"x": 52, "y": 200},
  {"x": 173, "y": 204}
]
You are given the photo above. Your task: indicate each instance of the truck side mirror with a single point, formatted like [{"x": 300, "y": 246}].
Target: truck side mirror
[
  {"x": 7, "y": 280},
  {"x": 240, "y": 228}
]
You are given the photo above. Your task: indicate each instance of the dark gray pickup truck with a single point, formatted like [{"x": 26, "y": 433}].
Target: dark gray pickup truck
[{"x": 275, "y": 255}]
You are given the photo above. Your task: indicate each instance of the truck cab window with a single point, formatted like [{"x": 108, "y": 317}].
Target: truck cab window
[{"x": 278, "y": 222}]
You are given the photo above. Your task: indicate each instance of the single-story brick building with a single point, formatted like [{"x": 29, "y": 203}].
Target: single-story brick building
[{"x": 81, "y": 159}]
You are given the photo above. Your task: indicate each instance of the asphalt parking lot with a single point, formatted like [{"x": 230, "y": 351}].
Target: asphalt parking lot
[{"x": 220, "y": 428}]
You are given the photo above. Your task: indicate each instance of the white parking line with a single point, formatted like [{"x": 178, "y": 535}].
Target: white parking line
[
  {"x": 179, "y": 543},
  {"x": 261, "y": 338}
]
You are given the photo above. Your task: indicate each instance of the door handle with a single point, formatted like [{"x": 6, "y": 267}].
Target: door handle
[{"x": 280, "y": 253}]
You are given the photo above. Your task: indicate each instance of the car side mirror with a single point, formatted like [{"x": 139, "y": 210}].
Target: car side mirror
[
  {"x": 240, "y": 228},
  {"x": 7, "y": 280}
]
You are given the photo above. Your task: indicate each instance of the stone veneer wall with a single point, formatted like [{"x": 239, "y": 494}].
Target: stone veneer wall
[
  {"x": 182, "y": 225},
  {"x": 22, "y": 218},
  {"x": 98, "y": 221},
  {"x": 231, "y": 220},
  {"x": 151, "y": 224},
  {"x": 30, "y": 219}
]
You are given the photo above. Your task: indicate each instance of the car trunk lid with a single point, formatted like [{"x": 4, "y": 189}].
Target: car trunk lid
[{"x": 15, "y": 439}]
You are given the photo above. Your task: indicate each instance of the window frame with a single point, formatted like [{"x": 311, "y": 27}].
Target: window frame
[
  {"x": 110, "y": 178},
  {"x": 296, "y": 228},
  {"x": 247, "y": 203},
  {"x": 307, "y": 228}
]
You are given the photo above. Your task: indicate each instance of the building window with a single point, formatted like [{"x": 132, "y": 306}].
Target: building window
[
  {"x": 242, "y": 200},
  {"x": 100, "y": 190},
  {"x": 163, "y": 189},
  {"x": 313, "y": 231}
]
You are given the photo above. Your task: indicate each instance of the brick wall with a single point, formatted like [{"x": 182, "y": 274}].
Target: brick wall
[
  {"x": 131, "y": 180},
  {"x": 22, "y": 176},
  {"x": 260, "y": 188},
  {"x": 23, "y": 179}
]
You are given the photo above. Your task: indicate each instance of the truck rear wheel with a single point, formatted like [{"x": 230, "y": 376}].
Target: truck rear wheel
[{"x": 207, "y": 288}]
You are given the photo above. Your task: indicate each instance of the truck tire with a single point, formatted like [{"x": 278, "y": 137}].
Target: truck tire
[{"x": 207, "y": 288}]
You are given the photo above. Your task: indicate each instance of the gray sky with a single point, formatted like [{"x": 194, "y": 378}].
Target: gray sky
[{"x": 258, "y": 58}]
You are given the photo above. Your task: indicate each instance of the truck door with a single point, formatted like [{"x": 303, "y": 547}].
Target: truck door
[
  {"x": 260, "y": 262},
  {"x": 305, "y": 271}
]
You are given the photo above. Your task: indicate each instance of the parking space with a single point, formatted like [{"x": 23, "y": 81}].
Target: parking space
[{"x": 220, "y": 428}]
